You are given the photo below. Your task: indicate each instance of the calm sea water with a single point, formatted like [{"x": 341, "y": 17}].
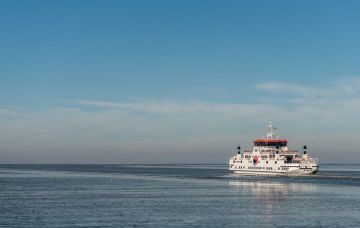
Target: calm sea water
[{"x": 175, "y": 196}]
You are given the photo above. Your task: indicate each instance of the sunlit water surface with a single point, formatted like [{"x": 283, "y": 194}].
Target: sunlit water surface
[{"x": 175, "y": 196}]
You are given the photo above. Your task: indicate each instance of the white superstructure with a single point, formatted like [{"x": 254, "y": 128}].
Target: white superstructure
[{"x": 271, "y": 155}]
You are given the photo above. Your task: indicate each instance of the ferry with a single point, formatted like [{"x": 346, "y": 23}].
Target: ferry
[{"x": 270, "y": 155}]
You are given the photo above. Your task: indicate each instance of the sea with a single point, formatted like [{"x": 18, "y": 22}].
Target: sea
[{"x": 175, "y": 195}]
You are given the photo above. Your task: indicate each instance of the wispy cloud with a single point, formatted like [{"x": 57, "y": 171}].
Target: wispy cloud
[
  {"x": 5, "y": 112},
  {"x": 280, "y": 87},
  {"x": 168, "y": 128},
  {"x": 338, "y": 92},
  {"x": 170, "y": 107}
]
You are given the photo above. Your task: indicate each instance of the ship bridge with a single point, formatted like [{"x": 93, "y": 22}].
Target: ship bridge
[
  {"x": 273, "y": 142},
  {"x": 270, "y": 140}
]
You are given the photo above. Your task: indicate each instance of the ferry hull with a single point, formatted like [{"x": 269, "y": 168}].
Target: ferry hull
[{"x": 294, "y": 172}]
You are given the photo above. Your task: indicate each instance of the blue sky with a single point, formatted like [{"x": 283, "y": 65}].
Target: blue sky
[{"x": 174, "y": 81}]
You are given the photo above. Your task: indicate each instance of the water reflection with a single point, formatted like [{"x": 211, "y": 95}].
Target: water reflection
[
  {"x": 270, "y": 198},
  {"x": 270, "y": 192}
]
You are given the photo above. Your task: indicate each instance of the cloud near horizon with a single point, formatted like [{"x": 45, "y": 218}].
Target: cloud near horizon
[{"x": 158, "y": 131}]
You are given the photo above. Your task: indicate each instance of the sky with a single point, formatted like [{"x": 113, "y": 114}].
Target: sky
[{"x": 176, "y": 81}]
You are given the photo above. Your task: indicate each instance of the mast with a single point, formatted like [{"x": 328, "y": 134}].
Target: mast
[{"x": 270, "y": 131}]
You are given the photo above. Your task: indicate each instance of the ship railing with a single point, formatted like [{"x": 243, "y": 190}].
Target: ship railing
[
  {"x": 280, "y": 151},
  {"x": 269, "y": 138},
  {"x": 309, "y": 160},
  {"x": 289, "y": 152}
]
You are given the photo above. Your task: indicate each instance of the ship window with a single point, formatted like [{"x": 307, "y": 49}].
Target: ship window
[
  {"x": 275, "y": 162},
  {"x": 267, "y": 162},
  {"x": 240, "y": 161}
]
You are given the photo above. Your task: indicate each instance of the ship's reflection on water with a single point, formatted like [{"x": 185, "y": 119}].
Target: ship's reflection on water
[
  {"x": 270, "y": 192},
  {"x": 269, "y": 198}
]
